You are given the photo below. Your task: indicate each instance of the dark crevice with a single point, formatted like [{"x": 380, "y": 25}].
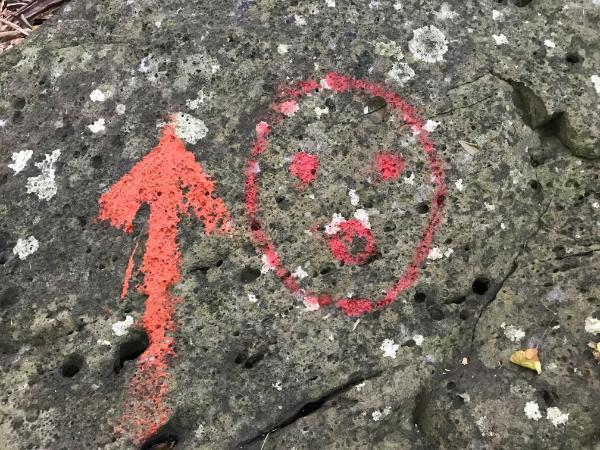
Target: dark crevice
[
  {"x": 466, "y": 83},
  {"x": 130, "y": 349},
  {"x": 419, "y": 411},
  {"x": 309, "y": 408},
  {"x": 553, "y": 129},
  {"x": 577, "y": 255},
  {"x": 458, "y": 108},
  {"x": 513, "y": 268}
]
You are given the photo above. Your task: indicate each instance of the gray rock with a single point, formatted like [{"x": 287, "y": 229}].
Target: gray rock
[{"x": 512, "y": 87}]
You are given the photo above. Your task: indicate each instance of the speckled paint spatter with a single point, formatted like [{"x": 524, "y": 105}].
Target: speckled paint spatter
[{"x": 172, "y": 183}]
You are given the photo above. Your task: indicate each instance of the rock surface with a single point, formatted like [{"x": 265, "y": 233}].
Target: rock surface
[{"x": 510, "y": 91}]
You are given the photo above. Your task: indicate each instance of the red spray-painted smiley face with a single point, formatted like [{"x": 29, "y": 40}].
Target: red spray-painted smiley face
[{"x": 329, "y": 182}]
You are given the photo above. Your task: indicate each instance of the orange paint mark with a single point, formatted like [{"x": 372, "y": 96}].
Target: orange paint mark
[
  {"x": 128, "y": 273},
  {"x": 172, "y": 183}
]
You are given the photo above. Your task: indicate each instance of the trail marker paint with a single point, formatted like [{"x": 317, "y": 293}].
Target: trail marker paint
[
  {"x": 389, "y": 166},
  {"x": 172, "y": 183}
]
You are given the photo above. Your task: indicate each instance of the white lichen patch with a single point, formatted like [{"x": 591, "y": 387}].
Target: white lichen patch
[
  {"x": 445, "y": 12},
  {"x": 252, "y": 298},
  {"x": 484, "y": 427},
  {"x": 489, "y": 206},
  {"x": 282, "y": 49},
  {"x": 377, "y": 415},
  {"x": 189, "y": 128},
  {"x": 334, "y": 226},
  {"x": 418, "y": 338},
  {"x": 556, "y": 416},
  {"x": 431, "y": 125},
  {"x": 44, "y": 185},
  {"x": 592, "y": 325},
  {"x": 363, "y": 217},
  {"x": 360, "y": 386},
  {"x": 120, "y": 109},
  {"x": 266, "y": 265},
  {"x": 596, "y": 82},
  {"x": 448, "y": 253},
  {"x": 321, "y": 111},
  {"x": 512, "y": 333},
  {"x": 330, "y": 3},
  {"x": 277, "y": 385},
  {"x": 145, "y": 64},
  {"x": 389, "y": 348},
  {"x": 26, "y": 247},
  {"x": 299, "y": 20},
  {"x": 500, "y": 39},
  {"x": 496, "y": 15},
  {"x": 434, "y": 254},
  {"x": 20, "y": 160},
  {"x": 97, "y": 126},
  {"x": 532, "y": 411},
  {"x": 97, "y": 96},
  {"x": 459, "y": 185},
  {"x": 122, "y": 328},
  {"x": 354, "y": 198},
  {"x": 428, "y": 44},
  {"x": 548, "y": 43},
  {"x": 299, "y": 273},
  {"x": 389, "y": 49},
  {"x": 401, "y": 73}
]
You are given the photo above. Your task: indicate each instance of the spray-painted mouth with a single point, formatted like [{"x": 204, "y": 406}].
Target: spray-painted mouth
[{"x": 351, "y": 241}]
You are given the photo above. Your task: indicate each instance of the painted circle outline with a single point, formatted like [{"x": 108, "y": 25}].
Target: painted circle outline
[{"x": 285, "y": 105}]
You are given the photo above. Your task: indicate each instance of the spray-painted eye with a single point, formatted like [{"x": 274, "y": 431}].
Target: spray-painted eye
[
  {"x": 389, "y": 165},
  {"x": 304, "y": 166}
]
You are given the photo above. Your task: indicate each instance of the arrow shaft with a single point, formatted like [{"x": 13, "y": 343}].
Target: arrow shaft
[{"x": 159, "y": 180}]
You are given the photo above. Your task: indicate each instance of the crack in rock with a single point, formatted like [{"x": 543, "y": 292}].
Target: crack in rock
[{"x": 513, "y": 268}]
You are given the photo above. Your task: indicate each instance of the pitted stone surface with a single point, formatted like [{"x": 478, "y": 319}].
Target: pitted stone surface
[{"x": 514, "y": 111}]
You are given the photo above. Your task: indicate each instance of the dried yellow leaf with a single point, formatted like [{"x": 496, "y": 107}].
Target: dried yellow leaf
[{"x": 528, "y": 359}]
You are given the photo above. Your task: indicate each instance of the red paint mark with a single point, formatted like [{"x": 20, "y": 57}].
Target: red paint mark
[
  {"x": 304, "y": 166},
  {"x": 389, "y": 166},
  {"x": 355, "y": 307},
  {"x": 172, "y": 183},
  {"x": 344, "y": 238},
  {"x": 409, "y": 275},
  {"x": 287, "y": 108},
  {"x": 128, "y": 272}
]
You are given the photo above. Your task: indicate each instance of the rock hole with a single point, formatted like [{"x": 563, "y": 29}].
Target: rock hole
[
  {"x": 19, "y": 103},
  {"x": 253, "y": 360},
  {"x": 422, "y": 208},
  {"x": 249, "y": 274},
  {"x": 72, "y": 365},
  {"x": 573, "y": 58},
  {"x": 326, "y": 269},
  {"x": 96, "y": 161},
  {"x": 389, "y": 226},
  {"x": 135, "y": 344},
  {"x": 160, "y": 442},
  {"x": 550, "y": 397},
  {"x": 521, "y": 3},
  {"x": 481, "y": 285},
  {"x": 419, "y": 297}
]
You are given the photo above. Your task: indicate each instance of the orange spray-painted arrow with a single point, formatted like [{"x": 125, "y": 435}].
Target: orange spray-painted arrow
[{"x": 172, "y": 183}]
